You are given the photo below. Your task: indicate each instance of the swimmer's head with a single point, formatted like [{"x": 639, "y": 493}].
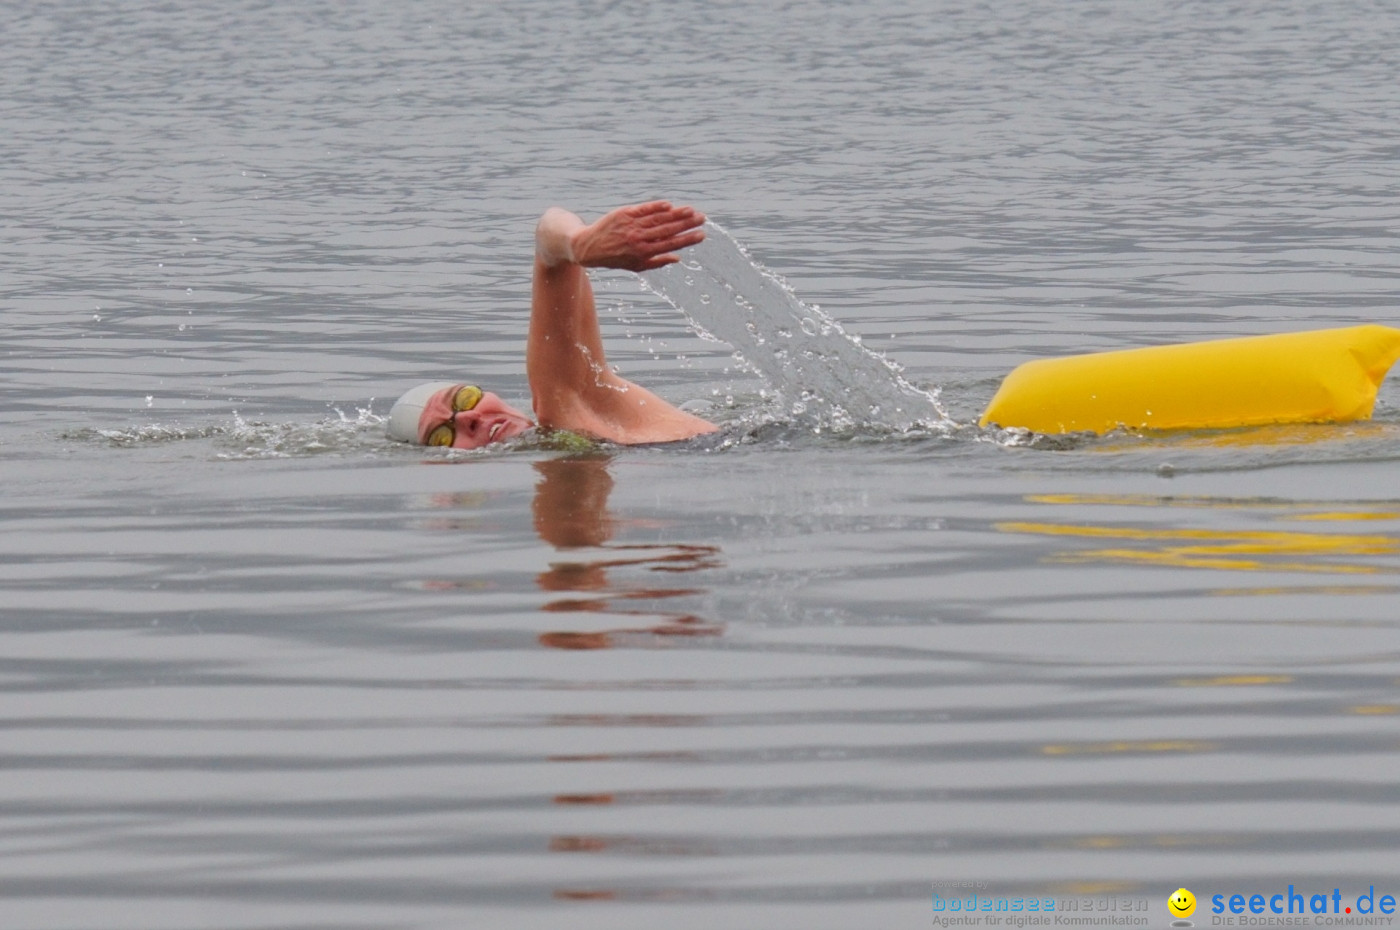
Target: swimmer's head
[
  {"x": 443, "y": 413},
  {"x": 404, "y": 415}
]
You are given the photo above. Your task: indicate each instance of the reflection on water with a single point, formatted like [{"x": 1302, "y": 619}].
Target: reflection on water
[
  {"x": 1369, "y": 432},
  {"x": 571, "y": 513},
  {"x": 1226, "y": 549}
]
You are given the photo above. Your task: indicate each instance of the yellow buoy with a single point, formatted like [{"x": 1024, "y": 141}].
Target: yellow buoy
[{"x": 1326, "y": 375}]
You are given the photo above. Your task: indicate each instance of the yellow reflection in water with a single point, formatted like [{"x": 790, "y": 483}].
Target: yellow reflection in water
[
  {"x": 1148, "y": 500},
  {"x": 1307, "y": 589},
  {"x": 1135, "y": 841},
  {"x": 1218, "y": 549},
  {"x": 1367, "y": 510},
  {"x": 1225, "y": 550},
  {"x": 1233, "y": 680},
  {"x": 1099, "y": 842},
  {"x": 1251, "y": 437},
  {"x": 1127, "y": 746},
  {"x": 1347, "y": 515},
  {"x": 1290, "y": 434}
]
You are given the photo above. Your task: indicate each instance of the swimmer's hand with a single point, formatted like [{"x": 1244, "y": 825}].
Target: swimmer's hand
[{"x": 638, "y": 237}]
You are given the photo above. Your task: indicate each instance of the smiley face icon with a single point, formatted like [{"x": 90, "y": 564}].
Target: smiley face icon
[{"x": 1182, "y": 903}]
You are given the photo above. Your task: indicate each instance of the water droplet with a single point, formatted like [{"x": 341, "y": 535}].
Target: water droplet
[{"x": 809, "y": 326}]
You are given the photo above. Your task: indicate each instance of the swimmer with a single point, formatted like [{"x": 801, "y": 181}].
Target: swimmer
[{"x": 572, "y": 385}]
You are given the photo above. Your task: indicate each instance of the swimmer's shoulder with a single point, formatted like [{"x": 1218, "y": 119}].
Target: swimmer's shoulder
[{"x": 564, "y": 440}]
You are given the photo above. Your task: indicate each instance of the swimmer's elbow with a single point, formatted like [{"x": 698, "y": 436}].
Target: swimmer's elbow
[{"x": 554, "y": 236}]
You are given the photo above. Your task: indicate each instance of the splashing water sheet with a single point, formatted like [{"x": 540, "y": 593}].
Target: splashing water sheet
[{"x": 823, "y": 376}]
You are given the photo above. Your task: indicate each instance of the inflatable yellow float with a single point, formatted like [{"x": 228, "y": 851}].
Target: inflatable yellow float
[{"x": 1326, "y": 375}]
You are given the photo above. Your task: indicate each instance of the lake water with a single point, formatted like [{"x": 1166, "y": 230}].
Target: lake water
[{"x": 263, "y": 668}]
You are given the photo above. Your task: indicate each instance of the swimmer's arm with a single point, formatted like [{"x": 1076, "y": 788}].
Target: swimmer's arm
[{"x": 572, "y": 385}]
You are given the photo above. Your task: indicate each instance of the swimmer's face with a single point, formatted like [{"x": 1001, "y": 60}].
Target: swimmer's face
[{"x": 465, "y": 417}]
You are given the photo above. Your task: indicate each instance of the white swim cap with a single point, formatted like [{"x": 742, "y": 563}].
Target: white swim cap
[{"x": 404, "y": 415}]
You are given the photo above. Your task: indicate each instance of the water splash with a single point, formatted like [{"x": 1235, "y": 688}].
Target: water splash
[
  {"x": 822, "y": 375},
  {"x": 359, "y": 434},
  {"x": 342, "y": 434}
]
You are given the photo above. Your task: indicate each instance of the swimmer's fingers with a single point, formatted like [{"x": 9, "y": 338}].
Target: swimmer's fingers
[
  {"x": 667, "y": 250},
  {"x": 661, "y": 211},
  {"x": 650, "y": 208},
  {"x": 674, "y": 226},
  {"x": 636, "y": 237}
]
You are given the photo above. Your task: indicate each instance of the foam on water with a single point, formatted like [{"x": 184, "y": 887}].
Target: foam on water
[
  {"x": 821, "y": 374},
  {"x": 341, "y": 434},
  {"x": 359, "y": 435}
]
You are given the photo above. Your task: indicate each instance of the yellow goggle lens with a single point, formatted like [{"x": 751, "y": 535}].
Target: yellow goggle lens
[
  {"x": 442, "y": 436},
  {"x": 466, "y": 398}
]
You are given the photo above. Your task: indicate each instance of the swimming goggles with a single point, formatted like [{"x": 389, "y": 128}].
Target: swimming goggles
[{"x": 467, "y": 397}]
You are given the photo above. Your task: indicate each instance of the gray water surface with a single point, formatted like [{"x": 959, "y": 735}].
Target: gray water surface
[{"x": 264, "y": 668}]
